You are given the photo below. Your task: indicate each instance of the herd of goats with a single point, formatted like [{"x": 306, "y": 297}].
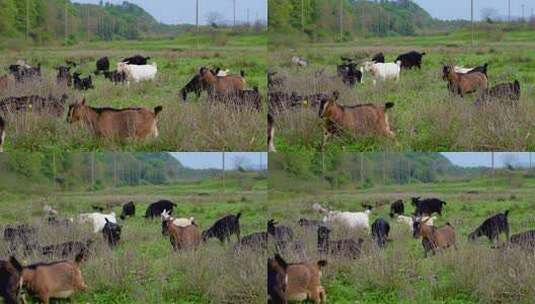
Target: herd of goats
[
  {"x": 136, "y": 122},
  {"x": 302, "y": 280},
  {"x": 372, "y": 119},
  {"x": 62, "y": 278}
]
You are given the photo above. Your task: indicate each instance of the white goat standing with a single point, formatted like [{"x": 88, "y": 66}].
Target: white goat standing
[
  {"x": 138, "y": 73},
  {"x": 97, "y": 219},
  {"x": 383, "y": 71},
  {"x": 349, "y": 219}
]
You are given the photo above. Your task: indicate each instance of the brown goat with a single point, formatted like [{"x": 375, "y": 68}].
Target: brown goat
[
  {"x": 221, "y": 85},
  {"x": 464, "y": 83},
  {"x": 434, "y": 238},
  {"x": 359, "y": 119},
  {"x": 122, "y": 123},
  {"x": 58, "y": 280},
  {"x": 183, "y": 237},
  {"x": 304, "y": 282}
]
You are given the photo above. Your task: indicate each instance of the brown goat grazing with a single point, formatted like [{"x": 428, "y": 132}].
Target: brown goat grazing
[
  {"x": 221, "y": 85},
  {"x": 304, "y": 282},
  {"x": 59, "y": 280},
  {"x": 464, "y": 83},
  {"x": 122, "y": 123},
  {"x": 360, "y": 119},
  {"x": 183, "y": 237},
  {"x": 434, "y": 238}
]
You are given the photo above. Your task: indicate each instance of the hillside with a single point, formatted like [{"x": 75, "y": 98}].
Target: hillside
[
  {"x": 46, "y": 21},
  {"x": 360, "y": 18}
]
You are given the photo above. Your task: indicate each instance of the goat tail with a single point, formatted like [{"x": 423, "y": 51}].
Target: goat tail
[
  {"x": 238, "y": 216},
  {"x": 506, "y": 213},
  {"x": 389, "y": 105},
  {"x": 423, "y": 54},
  {"x": 322, "y": 263},
  {"x": 157, "y": 110},
  {"x": 242, "y": 73}
]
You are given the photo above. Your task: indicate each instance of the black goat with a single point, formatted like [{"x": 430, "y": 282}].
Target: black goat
[
  {"x": 280, "y": 233},
  {"x": 492, "y": 227},
  {"x": 410, "y": 60},
  {"x": 427, "y": 206},
  {"x": 66, "y": 250},
  {"x": 195, "y": 85},
  {"x": 136, "y": 60},
  {"x": 504, "y": 92},
  {"x": 223, "y": 228},
  {"x": 112, "y": 233},
  {"x": 380, "y": 231},
  {"x": 253, "y": 241},
  {"x": 525, "y": 240},
  {"x": 349, "y": 73},
  {"x": 379, "y": 58},
  {"x": 397, "y": 207},
  {"x": 129, "y": 209},
  {"x": 82, "y": 84},
  {"x": 103, "y": 65},
  {"x": 64, "y": 75},
  {"x": 156, "y": 209},
  {"x": 116, "y": 77},
  {"x": 345, "y": 247},
  {"x": 35, "y": 104}
]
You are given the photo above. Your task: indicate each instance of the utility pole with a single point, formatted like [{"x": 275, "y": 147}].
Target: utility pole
[
  {"x": 509, "y": 10},
  {"x": 197, "y": 16},
  {"x": 472, "y": 19},
  {"x": 234, "y": 13}
]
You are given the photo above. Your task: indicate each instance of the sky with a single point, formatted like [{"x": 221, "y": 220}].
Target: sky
[
  {"x": 484, "y": 159},
  {"x": 183, "y": 11},
  {"x": 460, "y": 9},
  {"x": 214, "y": 160}
]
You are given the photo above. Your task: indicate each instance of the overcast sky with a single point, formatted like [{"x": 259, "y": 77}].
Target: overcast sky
[
  {"x": 460, "y": 9},
  {"x": 484, "y": 159},
  {"x": 183, "y": 11},
  {"x": 214, "y": 160}
]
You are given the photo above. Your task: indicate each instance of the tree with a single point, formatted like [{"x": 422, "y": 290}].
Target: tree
[
  {"x": 215, "y": 19},
  {"x": 489, "y": 14}
]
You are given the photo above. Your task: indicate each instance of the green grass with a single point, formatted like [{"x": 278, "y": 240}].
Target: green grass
[
  {"x": 474, "y": 273},
  {"x": 190, "y": 126},
  {"x": 426, "y": 117},
  {"x": 143, "y": 268}
]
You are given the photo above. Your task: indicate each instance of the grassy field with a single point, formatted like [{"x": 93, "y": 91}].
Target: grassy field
[
  {"x": 143, "y": 268},
  {"x": 191, "y": 126},
  {"x": 426, "y": 117},
  {"x": 474, "y": 273}
]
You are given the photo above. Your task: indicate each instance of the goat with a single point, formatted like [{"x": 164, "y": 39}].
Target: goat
[
  {"x": 82, "y": 84},
  {"x": 492, "y": 227},
  {"x": 136, "y": 60},
  {"x": 525, "y": 240},
  {"x": 253, "y": 241},
  {"x": 183, "y": 237},
  {"x": 112, "y": 233},
  {"x": 306, "y": 223},
  {"x": 129, "y": 209},
  {"x": 359, "y": 220},
  {"x": 504, "y": 92},
  {"x": 397, "y": 207},
  {"x": 427, "y": 206},
  {"x": 220, "y": 87},
  {"x": 409, "y": 220},
  {"x": 67, "y": 249},
  {"x": 410, "y": 60},
  {"x": 380, "y": 231},
  {"x": 282, "y": 101},
  {"x": 10, "y": 280},
  {"x": 115, "y": 76},
  {"x": 299, "y": 61},
  {"x": 54, "y": 280},
  {"x": 463, "y": 84},
  {"x": 195, "y": 85},
  {"x": 35, "y": 104},
  {"x": 103, "y": 65},
  {"x": 248, "y": 98},
  {"x": 462, "y": 70},
  {"x": 22, "y": 72},
  {"x": 111, "y": 123},
  {"x": 179, "y": 222},
  {"x": 223, "y": 228},
  {"x": 434, "y": 238},
  {"x": 346, "y": 247},
  {"x": 360, "y": 119},
  {"x": 304, "y": 282},
  {"x": 316, "y": 207},
  {"x": 280, "y": 233},
  {"x": 98, "y": 220},
  {"x": 64, "y": 76},
  {"x": 277, "y": 280},
  {"x": 157, "y": 208},
  {"x": 274, "y": 81},
  {"x": 382, "y": 71},
  {"x": 349, "y": 73},
  {"x": 379, "y": 58},
  {"x": 138, "y": 73}
]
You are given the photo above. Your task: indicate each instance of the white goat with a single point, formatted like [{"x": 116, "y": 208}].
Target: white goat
[
  {"x": 349, "y": 219},
  {"x": 319, "y": 208},
  {"x": 138, "y": 73},
  {"x": 49, "y": 210},
  {"x": 409, "y": 220},
  {"x": 462, "y": 70},
  {"x": 97, "y": 219},
  {"x": 383, "y": 71},
  {"x": 179, "y": 222},
  {"x": 299, "y": 61}
]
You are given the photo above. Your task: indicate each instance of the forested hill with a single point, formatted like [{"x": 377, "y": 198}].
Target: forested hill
[
  {"x": 46, "y": 21},
  {"x": 320, "y": 18}
]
